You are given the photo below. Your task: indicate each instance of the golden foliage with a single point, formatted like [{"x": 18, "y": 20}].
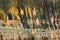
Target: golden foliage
[
  {"x": 13, "y": 10},
  {"x": 29, "y": 10},
  {"x": 2, "y": 11}
]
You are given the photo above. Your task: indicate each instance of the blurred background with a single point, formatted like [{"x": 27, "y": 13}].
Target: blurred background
[
  {"x": 30, "y": 13},
  {"x": 32, "y": 16}
]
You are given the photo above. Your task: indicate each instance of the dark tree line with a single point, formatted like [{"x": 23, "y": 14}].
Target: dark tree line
[{"x": 46, "y": 8}]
